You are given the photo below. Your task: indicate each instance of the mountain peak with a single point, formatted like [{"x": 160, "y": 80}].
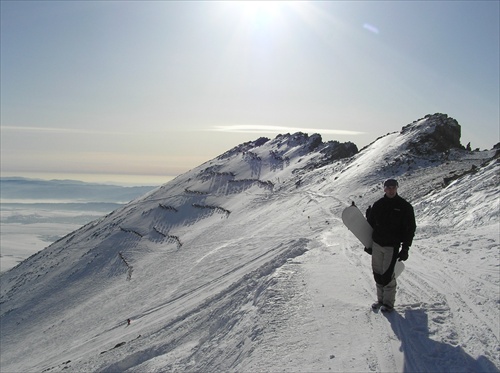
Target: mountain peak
[
  {"x": 287, "y": 146},
  {"x": 434, "y": 133}
]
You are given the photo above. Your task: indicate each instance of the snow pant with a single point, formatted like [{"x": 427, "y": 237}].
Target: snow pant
[{"x": 383, "y": 262}]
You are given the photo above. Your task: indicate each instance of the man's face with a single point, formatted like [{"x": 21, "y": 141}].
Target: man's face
[{"x": 391, "y": 191}]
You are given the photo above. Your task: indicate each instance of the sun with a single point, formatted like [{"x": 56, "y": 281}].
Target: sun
[
  {"x": 264, "y": 15},
  {"x": 261, "y": 8},
  {"x": 261, "y": 12}
]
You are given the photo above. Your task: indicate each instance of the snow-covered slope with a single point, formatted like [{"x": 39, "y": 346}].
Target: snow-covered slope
[{"x": 242, "y": 264}]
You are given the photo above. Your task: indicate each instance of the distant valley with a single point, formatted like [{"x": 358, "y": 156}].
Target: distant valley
[{"x": 35, "y": 213}]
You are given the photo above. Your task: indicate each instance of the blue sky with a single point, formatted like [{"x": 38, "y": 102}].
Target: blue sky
[{"x": 148, "y": 90}]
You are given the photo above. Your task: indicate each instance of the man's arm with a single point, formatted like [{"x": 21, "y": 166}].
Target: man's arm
[{"x": 411, "y": 226}]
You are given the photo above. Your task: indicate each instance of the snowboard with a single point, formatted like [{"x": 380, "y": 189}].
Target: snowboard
[{"x": 355, "y": 221}]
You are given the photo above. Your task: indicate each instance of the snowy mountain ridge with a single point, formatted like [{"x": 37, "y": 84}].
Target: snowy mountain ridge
[{"x": 242, "y": 264}]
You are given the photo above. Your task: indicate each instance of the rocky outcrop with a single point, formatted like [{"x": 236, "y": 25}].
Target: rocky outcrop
[
  {"x": 335, "y": 150},
  {"x": 497, "y": 148},
  {"x": 242, "y": 148},
  {"x": 303, "y": 144},
  {"x": 435, "y": 133},
  {"x": 332, "y": 151}
]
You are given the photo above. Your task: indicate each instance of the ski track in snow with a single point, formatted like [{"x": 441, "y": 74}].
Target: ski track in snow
[{"x": 264, "y": 279}]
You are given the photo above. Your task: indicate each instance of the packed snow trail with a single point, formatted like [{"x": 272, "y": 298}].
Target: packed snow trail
[{"x": 328, "y": 319}]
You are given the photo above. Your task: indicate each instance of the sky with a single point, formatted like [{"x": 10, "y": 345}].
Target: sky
[{"x": 142, "y": 91}]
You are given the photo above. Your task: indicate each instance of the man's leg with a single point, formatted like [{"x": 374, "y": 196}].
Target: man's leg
[
  {"x": 383, "y": 259},
  {"x": 389, "y": 290},
  {"x": 378, "y": 269},
  {"x": 389, "y": 297}
]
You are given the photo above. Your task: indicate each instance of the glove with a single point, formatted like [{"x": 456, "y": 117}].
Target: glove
[
  {"x": 368, "y": 250},
  {"x": 403, "y": 254}
]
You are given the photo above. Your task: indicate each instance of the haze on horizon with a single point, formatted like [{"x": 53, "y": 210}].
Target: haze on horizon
[{"x": 153, "y": 89}]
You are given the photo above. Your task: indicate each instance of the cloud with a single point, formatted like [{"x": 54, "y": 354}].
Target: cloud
[
  {"x": 242, "y": 128},
  {"x": 58, "y": 130},
  {"x": 248, "y": 128},
  {"x": 48, "y": 129}
]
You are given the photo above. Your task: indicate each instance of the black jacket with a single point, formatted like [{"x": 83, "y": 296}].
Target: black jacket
[{"x": 393, "y": 221}]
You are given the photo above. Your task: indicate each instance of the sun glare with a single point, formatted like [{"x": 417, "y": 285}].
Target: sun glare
[
  {"x": 265, "y": 15},
  {"x": 261, "y": 12},
  {"x": 258, "y": 8}
]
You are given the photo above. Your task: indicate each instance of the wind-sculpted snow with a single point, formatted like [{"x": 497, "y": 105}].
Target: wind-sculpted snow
[{"x": 242, "y": 265}]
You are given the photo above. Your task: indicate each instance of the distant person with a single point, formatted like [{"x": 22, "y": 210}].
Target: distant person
[
  {"x": 128, "y": 322},
  {"x": 393, "y": 221}
]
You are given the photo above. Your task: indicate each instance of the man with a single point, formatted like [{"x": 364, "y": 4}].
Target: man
[{"x": 393, "y": 221}]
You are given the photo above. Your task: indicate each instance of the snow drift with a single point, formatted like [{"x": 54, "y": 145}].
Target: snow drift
[{"x": 242, "y": 264}]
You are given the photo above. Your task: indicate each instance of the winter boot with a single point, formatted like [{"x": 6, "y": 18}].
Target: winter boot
[
  {"x": 386, "y": 309},
  {"x": 377, "y": 305}
]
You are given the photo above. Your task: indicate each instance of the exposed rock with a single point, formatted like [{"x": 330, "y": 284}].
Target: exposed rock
[
  {"x": 335, "y": 150},
  {"x": 304, "y": 144},
  {"x": 435, "y": 133},
  {"x": 497, "y": 148},
  {"x": 242, "y": 148}
]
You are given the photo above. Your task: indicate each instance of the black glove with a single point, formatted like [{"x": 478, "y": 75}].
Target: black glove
[
  {"x": 368, "y": 250},
  {"x": 403, "y": 254}
]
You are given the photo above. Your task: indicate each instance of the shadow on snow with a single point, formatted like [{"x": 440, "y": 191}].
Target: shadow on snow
[{"x": 422, "y": 354}]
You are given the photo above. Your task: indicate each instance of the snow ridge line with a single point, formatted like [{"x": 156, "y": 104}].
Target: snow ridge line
[
  {"x": 264, "y": 270},
  {"x": 232, "y": 298}
]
